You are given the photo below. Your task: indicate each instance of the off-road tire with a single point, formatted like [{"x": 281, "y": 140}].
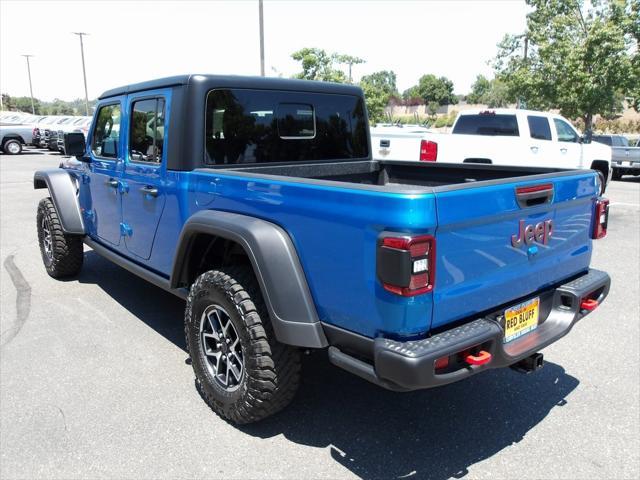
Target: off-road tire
[
  {"x": 12, "y": 147},
  {"x": 66, "y": 252},
  {"x": 271, "y": 369}
]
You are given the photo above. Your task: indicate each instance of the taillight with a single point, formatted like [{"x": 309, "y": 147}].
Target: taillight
[
  {"x": 428, "y": 151},
  {"x": 600, "y": 218},
  {"x": 405, "y": 264}
]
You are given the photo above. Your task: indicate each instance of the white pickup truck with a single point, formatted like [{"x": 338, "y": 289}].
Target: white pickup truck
[{"x": 500, "y": 137}]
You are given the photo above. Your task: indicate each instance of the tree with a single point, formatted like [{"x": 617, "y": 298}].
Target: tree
[
  {"x": 317, "y": 64},
  {"x": 384, "y": 79},
  {"x": 376, "y": 100},
  {"x": 433, "y": 89},
  {"x": 479, "y": 90},
  {"x": 578, "y": 59},
  {"x": 633, "y": 29},
  {"x": 348, "y": 60},
  {"x": 493, "y": 93}
]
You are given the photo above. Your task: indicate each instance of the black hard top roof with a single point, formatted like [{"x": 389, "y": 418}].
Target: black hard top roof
[{"x": 234, "y": 81}]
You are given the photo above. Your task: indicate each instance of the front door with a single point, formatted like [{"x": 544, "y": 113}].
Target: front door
[
  {"x": 103, "y": 214},
  {"x": 569, "y": 150},
  {"x": 144, "y": 195}
]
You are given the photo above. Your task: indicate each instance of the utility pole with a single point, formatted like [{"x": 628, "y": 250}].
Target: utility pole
[
  {"x": 261, "y": 38},
  {"x": 521, "y": 103},
  {"x": 84, "y": 72},
  {"x": 33, "y": 108}
]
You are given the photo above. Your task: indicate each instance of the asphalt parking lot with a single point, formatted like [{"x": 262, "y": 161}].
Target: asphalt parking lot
[{"x": 94, "y": 384}]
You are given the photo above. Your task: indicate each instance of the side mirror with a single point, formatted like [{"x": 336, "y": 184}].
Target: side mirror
[{"x": 74, "y": 144}]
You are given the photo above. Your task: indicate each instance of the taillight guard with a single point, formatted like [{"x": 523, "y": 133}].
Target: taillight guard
[{"x": 406, "y": 264}]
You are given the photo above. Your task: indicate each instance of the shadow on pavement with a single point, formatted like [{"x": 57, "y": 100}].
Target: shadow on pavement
[
  {"x": 372, "y": 432},
  {"x": 160, "y": 310},
  {"x": 628, "y": 179}
]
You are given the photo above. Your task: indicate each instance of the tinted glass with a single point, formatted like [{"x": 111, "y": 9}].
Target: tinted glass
[
  {"x": 295, "y": 121},
  {"x": 565, "y": 132},
  {"x": 257, "y": 126},
  {"x": 107, "y": 132},
  {"x": 601, "y": 139},
  {"x": 539, "y": 128},
  {"x": 487, "y": 124},
  {"x": 147, "y": 130}
]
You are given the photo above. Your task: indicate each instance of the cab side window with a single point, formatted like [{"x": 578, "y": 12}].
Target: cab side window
[
  {"x": 565, "y": 132},
  {"x": 539, "y": 127},
  {"x": 106, "y": 134},
  {"x": 146, "y": 136}
]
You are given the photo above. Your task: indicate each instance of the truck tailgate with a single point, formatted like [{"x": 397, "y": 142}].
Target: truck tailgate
[{"x": 479, "y": 268}]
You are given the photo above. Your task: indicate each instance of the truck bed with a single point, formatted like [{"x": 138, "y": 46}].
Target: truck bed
[{"x": 402, "y": 177}]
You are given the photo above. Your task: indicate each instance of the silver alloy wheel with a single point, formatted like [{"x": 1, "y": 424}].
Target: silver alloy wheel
[
  {"x": 12, "y": 147},
  {"x": 47, "y": 242},
  {"x": 221, "y": 346}
]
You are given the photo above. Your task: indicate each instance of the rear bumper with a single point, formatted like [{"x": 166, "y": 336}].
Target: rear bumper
[
  {"x": 411, "y": 365},
  {"x": 626, "y": 168}
]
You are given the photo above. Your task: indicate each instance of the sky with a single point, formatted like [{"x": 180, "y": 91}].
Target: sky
[{"x": 132, "y": 41}]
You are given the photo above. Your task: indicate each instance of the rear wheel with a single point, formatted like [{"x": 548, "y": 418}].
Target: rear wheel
[
  {"x": 62, "y": 254},
  {"x": 12, "y": 147},
  {"x": 616, "y": 175},
  {"x": 242, "y": 372}
]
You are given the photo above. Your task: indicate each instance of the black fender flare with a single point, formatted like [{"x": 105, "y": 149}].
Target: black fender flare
[
  {"x": 276, "y": 266},
  {"x": 63, "y": 191}
]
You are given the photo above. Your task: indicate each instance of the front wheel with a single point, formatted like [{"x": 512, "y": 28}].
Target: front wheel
[
  {"x": 12, "y": 147},
  {"x": 62, "y": 254},
  {"x": 242, "y": 372}
]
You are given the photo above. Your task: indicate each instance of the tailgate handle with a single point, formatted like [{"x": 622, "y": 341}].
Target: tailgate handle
[
  {"x": 385, "y": 143},
  {"x": 532, "y": 195}
]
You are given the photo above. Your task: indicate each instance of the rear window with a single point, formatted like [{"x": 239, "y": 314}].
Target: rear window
[
  {"x": 539, "y": 127},
  {"x": 487, "y": 124},
  {"x": 601, "y": 139},
  {"x": 266, "y": 126}
]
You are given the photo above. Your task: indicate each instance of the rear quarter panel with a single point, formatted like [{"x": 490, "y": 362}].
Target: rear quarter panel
[{"x": 335, "y": 231}]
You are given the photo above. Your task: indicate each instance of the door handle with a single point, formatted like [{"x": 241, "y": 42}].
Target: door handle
[
  {"x": 112, "y": 182},
  {"x": 563, "y": 150},
  {"x": 534, "y": 149},
  {"x": 149, "y": 190}
]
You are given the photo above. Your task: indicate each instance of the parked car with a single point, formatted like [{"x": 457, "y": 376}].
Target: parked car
[
  {"x": 257, "y": 201},
  {"x": 14, "y": 137},
  {"x": 626, "y": 158},
  {"x": 39, "y": 130},
  {"x": 80, "y": 124},
  {"x": 499, "y": 137},
  {"x": 50, "y": 139},
  {"x": 12, "y": 118}
]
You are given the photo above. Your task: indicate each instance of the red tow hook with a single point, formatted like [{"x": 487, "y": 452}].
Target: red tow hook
[
  {"x": 480, "y": 359},
  {"x": 589, "y": 304}
]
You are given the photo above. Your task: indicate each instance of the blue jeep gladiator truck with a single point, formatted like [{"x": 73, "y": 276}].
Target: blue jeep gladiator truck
[{"x": 257, "y": 201}]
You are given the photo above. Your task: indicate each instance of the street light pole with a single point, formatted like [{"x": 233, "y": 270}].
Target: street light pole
[
  {"x": 261, "y": 38},
  {"x": 84, "y": 72},
  {"x": 33, "y": 108}
]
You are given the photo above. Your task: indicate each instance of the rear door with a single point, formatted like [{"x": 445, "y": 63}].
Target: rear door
[
  {"x": 539, "y": 142},
  {"x": 143, "y": 185},
  {"x": 504, "y": 241}
]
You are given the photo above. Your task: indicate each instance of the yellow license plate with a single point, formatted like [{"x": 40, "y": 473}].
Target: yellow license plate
[{"x": 521, "y": 319}]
